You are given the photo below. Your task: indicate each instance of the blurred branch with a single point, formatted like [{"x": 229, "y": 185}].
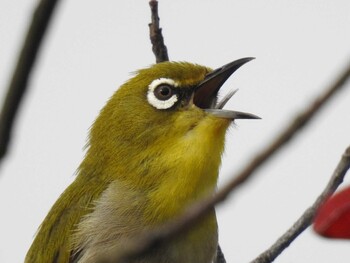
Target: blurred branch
[
  {"x": 306, "y": 219},
  {"x": 195, "y": 212},
  {"x": 17, "y": 87},
  {"x": 155, "y": 32},
  {"x": 220, "y": 258}
]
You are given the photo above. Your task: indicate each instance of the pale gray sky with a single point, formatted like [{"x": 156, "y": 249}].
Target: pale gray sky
[{"x": 94, "y": 45}]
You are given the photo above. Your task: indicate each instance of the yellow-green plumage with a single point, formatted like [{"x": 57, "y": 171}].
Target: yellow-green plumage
[{"x": 143, "y": 167}]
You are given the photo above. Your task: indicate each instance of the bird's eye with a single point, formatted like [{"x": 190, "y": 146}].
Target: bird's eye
[{"x": 162, "y": 93}]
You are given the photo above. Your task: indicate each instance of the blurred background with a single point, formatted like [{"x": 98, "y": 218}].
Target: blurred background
[{"x": 93, "y": 46}]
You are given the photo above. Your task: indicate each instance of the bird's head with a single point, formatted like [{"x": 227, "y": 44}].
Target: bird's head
[{"x": 163, "y": 106}]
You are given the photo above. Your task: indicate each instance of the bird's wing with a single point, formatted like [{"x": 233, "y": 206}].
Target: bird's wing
[{"x": 53, "y": 240}]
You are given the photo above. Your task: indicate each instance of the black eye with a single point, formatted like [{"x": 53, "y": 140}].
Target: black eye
[{"x": 163, "y": 92}]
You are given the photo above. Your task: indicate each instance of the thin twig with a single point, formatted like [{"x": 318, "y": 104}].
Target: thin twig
[
  {"x": 155, "y": 32},
  {"x": 17, "y": 87},
  {"x": 195, "y": 212},
  {"x": 306, "y": 219}
]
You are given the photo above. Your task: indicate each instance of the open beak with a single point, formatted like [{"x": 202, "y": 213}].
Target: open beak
[{"x": 205, "y": 95}]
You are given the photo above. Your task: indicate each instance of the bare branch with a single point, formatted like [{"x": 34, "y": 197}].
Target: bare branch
[
  {"x": 158, "y": 47},
  {"x": 17, "y": 87},
  {"x": 306, "y": 219},
  {"x": 195, "y": 212}
]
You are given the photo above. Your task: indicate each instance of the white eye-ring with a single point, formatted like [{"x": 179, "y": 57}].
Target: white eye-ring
[{"x": 161, "y": 93}]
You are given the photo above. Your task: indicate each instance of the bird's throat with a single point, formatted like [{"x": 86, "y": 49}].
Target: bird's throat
[{"x": 192, "y": 164}]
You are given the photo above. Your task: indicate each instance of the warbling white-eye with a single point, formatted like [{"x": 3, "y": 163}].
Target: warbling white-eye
[{"x": 154, "y": 149}]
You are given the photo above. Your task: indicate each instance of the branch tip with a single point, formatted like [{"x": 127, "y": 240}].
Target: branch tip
[{"x": 158, "y": 47}]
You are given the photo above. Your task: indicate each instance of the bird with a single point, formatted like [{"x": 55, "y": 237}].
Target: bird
[{"x": 154, "y": 149}]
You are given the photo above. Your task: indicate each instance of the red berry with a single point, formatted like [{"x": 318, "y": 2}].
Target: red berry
[{"x": 333, "y": 218}]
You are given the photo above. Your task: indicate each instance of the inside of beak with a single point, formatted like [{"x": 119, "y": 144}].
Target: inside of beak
[{"x": 206, "y": 92}]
